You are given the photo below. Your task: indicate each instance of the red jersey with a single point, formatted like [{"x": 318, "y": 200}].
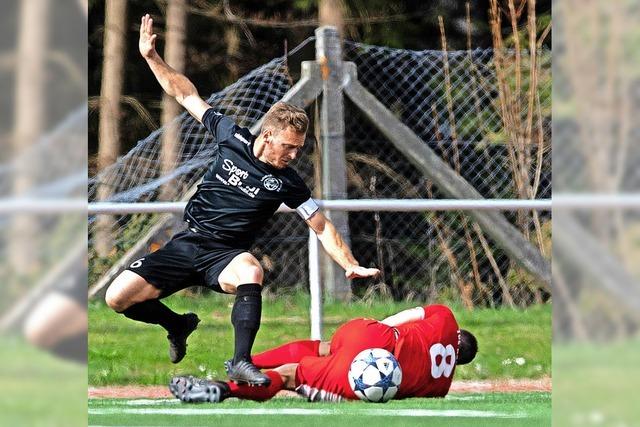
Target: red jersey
[
  {"x": 330, "y": 373},
  {"x": 426, "y": 350}
]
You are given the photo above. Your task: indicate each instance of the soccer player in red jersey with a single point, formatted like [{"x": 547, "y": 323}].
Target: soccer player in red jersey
[{"x": 426, "y": 341}]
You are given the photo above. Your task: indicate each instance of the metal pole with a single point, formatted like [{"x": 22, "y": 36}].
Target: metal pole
[
  {"x": 315, "y": 288},
  {"x": 353, "y": 205},
  {"x": 334, "y": 170}
]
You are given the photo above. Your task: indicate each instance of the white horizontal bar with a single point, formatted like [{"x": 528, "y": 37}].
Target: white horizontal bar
[
  {"x": 132, "y": 208},
  {"x": 408, "y": 205},
  {"x": 596, "y": 201},
  {"x": 52, "y": 206},
  {"x": 560, "y": 201},
  {"x": 42, "y": 206},
  {"x": 389, "y": 205}
]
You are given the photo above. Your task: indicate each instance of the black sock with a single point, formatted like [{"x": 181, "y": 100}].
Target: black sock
[
  {"x": 154, "y": 312},
  {"x": 245, "y": 318},
  {"x": 73, "y": 348}
]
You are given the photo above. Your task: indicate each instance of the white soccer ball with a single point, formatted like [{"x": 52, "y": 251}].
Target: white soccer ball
[{"x": 375, "y": 375}]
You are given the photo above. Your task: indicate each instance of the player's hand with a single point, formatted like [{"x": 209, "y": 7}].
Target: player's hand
[
  {"x": 147, "y": 42},
  {"x": 359, "y": 272}
]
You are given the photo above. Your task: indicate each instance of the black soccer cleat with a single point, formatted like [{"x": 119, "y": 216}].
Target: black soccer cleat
[
  {"x": 190, "y": 389},
  {"x": 245, "y": 372},
  {"x": 178, "y": 385},
  {"x": 178, "y": 339}
]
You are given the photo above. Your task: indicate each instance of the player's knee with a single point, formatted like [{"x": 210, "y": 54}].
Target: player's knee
[
  {"x": 113, "y": 300},
  {"x": 114, "y": 297},
  {"x": 251, "y": 273},
  {"x": 35, "y": 332}
]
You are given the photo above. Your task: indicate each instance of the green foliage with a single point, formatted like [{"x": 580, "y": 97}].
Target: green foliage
[{"x": 305, "y": 5}]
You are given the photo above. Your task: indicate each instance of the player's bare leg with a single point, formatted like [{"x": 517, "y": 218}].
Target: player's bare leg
[
  {"x": 243, "y": 277},
  {"x": 59, "y": 324},
  {"x": 131, "y": 295},
  {"x": 127, "y": 289}
]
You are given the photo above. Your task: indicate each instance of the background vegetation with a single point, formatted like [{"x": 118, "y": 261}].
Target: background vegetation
[{"x": 222, "y": 48}]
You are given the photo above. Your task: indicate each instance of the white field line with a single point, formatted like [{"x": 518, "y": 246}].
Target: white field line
[
  {"x": 163, "y": 402},
  {"x": 308, "y": 412},
  {"x": 150, "y": 402},
  {"x": 458, "y": 397}
]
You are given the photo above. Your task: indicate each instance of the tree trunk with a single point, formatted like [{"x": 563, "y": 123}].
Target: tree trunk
[
  {"x": 175, "y": 57},
  {"x": 30, "y": 121},
  {"x": 232, "y": 40},
  {"x": 331, "y": 12},
  {"x": 110, "y": 93}
]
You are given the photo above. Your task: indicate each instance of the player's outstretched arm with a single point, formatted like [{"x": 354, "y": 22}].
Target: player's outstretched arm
[
  {"x": 405, "y": 316},
  {"x": 174, "y": 83},
  {"x": 337, "y": 248}
]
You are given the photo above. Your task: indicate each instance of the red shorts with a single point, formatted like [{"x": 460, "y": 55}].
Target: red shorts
[{"x": 329, "y": 373}]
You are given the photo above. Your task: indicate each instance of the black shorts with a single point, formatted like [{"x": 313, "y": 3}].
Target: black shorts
[{"x": 188, "y": 259}]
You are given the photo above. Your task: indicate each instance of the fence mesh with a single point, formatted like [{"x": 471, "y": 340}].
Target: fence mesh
[{"x": 456, "y": 103}]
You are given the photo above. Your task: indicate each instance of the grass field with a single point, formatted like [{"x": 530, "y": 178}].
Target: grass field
[
  {"x": 513, "y": 343},
  {"x": 39, "y": 389},
  {"x": 496, "y": 409},
  {"x": 594, "y": 383}
]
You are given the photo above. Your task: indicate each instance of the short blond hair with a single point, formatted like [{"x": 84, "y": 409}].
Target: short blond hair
[{"x": 282, "y": 115}]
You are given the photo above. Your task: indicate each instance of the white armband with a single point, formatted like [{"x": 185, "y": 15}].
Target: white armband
[{"x": 307, "y": 209}]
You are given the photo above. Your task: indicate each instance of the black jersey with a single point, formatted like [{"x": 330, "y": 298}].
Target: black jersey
[{"x": 239, "y": 193}]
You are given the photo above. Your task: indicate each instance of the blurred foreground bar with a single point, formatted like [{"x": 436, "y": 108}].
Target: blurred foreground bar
[
  {"x": 596, "y": 242},
  {"x": 43, "y": 132}
]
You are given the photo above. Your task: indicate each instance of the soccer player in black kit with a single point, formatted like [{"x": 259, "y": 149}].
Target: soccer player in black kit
[{"x": 247, "y": 180}]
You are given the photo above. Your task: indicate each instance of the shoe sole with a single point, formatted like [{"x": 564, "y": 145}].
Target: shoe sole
[
  {"x": 178, "y": 386},
  {"x": 187, "y": 391}
]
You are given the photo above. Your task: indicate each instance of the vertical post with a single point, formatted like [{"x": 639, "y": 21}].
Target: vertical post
[
  {"x": 315, "y": 288},
  {"x": 174, "y": 55},
  {"x": 30, "y": 120},
  {"x": 334, "y": 171},
  {"x": 115, "y": 42}
]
